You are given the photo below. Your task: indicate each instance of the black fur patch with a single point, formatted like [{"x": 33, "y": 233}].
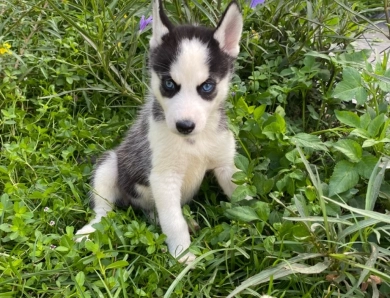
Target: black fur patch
[
  {"x": 223, "y": 121},
  {"x": 134, "y": 159},
  {"x": 157, "y": 111}
]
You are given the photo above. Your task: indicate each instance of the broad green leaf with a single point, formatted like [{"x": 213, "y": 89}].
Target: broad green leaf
[
  {"x": 351, "y": 87},
  {"x": 301, "y": 206},
  {"x": 271, "y": 130},
  {"x": 317, "y": 55},
  {"x": 375, "y": 125},
  {"x": 359, "y": 132},
  {"x": 366, "y": 166},
  {"x": 239, "y": 176},
  {"x": 308, "y": 141},
  {"x": 93, "y": 247},
  {"x": 269, "y": 243},
  {"x": 350, "y": 149},
  {"x": 279, "y": 111},
  {"x": 242, "y": 191},
  {"x": 241, "y": 104},
  {"x": 262, "y": 209},
  {"x": 293, "y": 156},
  {"x": 118, "y": 264},
  {"x": 80, "y": 278},
  {"x": 344, "y": 177},
  {"x": 309, "y": 62},
  {"x": 348, "y": 118},
  {"x": 313, "y": 112},
  {"x": 242, "y": 163},
  {"x": 5, "y": 227},
  {"x": 242, "y": 213},
  {"x": 263, "y": 184},
  {"x": 275, "y": 125},
  {"x": 372, "y": 142},
  {"x": 365, "y": 120},
  {"x": 259, "y": 111},
  {"x": 384, "y": 83},
  {"x": 62, "y": 248}
]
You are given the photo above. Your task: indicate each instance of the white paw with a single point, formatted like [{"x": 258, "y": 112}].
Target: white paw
[
  {"x": 84, "y": 232},
  {"x": 188, "y": 258}
]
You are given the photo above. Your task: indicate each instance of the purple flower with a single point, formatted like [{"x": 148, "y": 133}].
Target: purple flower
[
  {"x": 143, "y": 23},
  {"x": 254, "y": 3}
]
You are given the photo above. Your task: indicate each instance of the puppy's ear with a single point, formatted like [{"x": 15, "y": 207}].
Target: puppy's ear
[
  {"x": 228, "y": 32},
  {"x": 161, "y": 25}
]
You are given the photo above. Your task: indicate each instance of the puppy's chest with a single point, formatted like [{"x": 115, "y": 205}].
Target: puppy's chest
[
  {"x": 187, "y": 158},
  {"x": 193, "y": 174}
]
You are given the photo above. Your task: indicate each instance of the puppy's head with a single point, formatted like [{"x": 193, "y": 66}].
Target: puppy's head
[{"x": 191, "y": 68}]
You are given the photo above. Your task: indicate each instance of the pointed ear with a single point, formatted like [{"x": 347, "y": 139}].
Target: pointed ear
[
  {"x": 161, "y": 25},
  {"x": 228, "y": 32}
]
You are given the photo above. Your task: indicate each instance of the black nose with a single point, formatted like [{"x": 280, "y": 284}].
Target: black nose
[{"x": 185, "y": 126}]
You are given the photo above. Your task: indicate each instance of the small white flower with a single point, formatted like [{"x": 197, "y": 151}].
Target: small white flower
[
  {"x": 46, "y": 209},
  {"x": 52, "y": 246},
  {"x": 52, "y": 223}
]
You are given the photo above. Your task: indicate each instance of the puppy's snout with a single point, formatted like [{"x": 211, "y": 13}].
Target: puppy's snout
[{"x": 185, "y": 126}]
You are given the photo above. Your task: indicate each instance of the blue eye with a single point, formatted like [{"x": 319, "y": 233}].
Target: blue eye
[
  {"x": 207, "y": 87},
  {"x": 169, "y": 85}
]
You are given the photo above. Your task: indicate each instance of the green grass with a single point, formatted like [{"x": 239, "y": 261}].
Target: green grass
[{"x": 71, "y": 84}]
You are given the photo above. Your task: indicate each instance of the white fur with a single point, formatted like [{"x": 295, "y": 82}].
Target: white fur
[
  {"x": 229, "y": 31},
  {"x": 159, "y": 30},
  {"x": 178, "y": 168},
  {"x": 105, "y": 192}
]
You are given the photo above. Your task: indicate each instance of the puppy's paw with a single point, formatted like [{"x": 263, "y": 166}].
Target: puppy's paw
[
  {"x": 187, "y": 259},
  {"x": 84, "y": 232}
]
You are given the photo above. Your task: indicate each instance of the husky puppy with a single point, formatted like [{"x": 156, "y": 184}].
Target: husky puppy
[{"x": 181, "y": 131}]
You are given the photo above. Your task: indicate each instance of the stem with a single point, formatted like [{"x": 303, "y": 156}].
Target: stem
[
  {"x": 304, "y": 110},
  {"x": 376, "y": 101},
  {"x": 336, "y": 129},
  {"x": 321, "y": 114}
]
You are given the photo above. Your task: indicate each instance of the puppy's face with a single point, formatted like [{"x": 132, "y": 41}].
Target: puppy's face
[{"x": 191, "y": 68}]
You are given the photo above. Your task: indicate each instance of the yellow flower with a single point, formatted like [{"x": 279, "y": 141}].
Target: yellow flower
[
  {"x": 125, "y": 16},
  {"x": 4, "y": 49}
]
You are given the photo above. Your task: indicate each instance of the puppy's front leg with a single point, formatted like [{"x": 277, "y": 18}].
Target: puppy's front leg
[{"x": 166, "y": 188}]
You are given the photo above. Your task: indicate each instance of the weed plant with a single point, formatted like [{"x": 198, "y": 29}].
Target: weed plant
[{"x": 311, "y": 117}]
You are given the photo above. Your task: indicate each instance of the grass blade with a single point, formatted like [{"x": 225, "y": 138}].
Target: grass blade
[{"x": 284, "y": 269}]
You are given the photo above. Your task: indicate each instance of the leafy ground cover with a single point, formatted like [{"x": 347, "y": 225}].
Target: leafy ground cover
[{"x": 312, "y": 126}]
